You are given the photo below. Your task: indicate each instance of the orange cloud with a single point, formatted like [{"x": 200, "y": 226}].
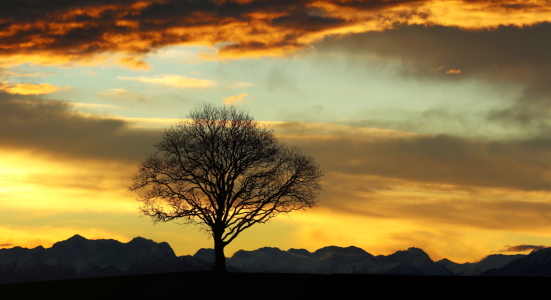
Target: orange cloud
[
  {"x": 5, "y": 73},
  {"x": 173, "y": 80},
  {"x": 91, "y": 32},
  {"x": 28, "y": 88},
  {"x": 235, "y": 100},
  {"x": 452, "y": 71},
  {"x": 91, "y": 105}
]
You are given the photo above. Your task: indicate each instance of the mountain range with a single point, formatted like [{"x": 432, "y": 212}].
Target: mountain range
[{"x": 78, "y": 257}]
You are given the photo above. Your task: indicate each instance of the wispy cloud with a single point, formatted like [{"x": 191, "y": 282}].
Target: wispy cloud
[
  {"x": 235, "y": 100},
  {"x": 522, "y": 248},
  {"x": 240, "y": 84},
  {"x": 6, "y": 73},
  {"x": 453, "y": 71},
  {"x": 92, "y": 105},
  {"x": 150, "y": 123},
  {"x": 28, "y": 88},
  {"x": 6, "y": 245},
  {"x": 173, "y": 80}
]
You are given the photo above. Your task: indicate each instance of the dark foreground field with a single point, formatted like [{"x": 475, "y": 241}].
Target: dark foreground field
[{"x": 206, "y": 285}]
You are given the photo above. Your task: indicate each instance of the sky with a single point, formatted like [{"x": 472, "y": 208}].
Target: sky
[{"x": 429, "y": 119}]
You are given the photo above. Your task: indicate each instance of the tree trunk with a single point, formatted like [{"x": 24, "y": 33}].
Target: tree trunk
[{"x": 219, "y": 256}]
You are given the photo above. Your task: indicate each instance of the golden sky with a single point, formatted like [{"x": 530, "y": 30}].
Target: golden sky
[{"x": 430, "y": 119}]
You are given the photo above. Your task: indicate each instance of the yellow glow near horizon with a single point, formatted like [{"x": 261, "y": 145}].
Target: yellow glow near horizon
[{"x": 32, "y": 183}]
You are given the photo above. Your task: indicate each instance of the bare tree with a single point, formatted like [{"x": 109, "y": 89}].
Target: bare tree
[{"x": 222, "y": 170}]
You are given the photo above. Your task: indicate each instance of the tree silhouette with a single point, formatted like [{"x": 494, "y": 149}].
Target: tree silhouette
[{"x": 222, "y": 170}]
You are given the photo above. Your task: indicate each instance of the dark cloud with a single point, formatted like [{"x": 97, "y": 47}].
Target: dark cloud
[
  {"x": 507, "y": 51},
  {"x": 433, "y": 203},
  {"x": 522, "y": 248},
  {"x": 278, "y": 79},
  {"x": 505, "y": 56},
  {"x": 54, "y": 128},
  {"x": 6, "y": 245},
  {"x": 521, "y": 164},
  {"x": 371, "y": 4}
]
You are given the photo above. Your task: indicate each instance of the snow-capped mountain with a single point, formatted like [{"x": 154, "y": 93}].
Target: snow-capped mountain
[
  {"x": 272, "y": 260},
  {"x": 28, "y": 268},
  {"x": 80, "y": 257},
  {"x": 333, "y": 259}
]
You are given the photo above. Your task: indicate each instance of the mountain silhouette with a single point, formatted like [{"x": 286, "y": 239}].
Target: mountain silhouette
[
  {"x": 494, "y": 261},
  {"x": 78, "y": 257},
  {"x": 336, "y": 260},
  {"x": 537, "y": 263}
]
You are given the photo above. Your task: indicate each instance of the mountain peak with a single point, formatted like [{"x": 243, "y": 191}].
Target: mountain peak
[
  {"x": 70, "y": 242},
  {"x": 445, "y": 261},
  {"x": 302, "y": 252},
  {"x": 140, "y": 239},
  {"x": 412, "y": 254},
  {"x": 330, "y": 250},
  {"x": 269, "y": 250},
  {"x": 77, "y": 237},
  {"x": 205, "y": 254}
]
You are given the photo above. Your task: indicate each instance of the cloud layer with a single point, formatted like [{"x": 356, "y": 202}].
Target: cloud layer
[
  {"x": 88, "y": 31},
  {"x": 55, "y": 129},
  {"x": 523, "y": 164}
]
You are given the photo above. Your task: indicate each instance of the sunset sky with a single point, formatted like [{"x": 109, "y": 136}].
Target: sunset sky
[{"x": 430, "y": 119}]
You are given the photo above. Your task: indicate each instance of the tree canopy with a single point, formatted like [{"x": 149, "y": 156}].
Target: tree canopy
[{"x": 222, "y": 170}]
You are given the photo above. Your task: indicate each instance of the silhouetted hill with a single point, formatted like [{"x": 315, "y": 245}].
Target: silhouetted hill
[
  {"x": 537, "y": 263},
  {"x": 493, "y": 261}
]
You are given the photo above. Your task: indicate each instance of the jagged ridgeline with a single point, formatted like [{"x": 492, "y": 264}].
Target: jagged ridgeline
[{"x": 79, "y": 257}]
